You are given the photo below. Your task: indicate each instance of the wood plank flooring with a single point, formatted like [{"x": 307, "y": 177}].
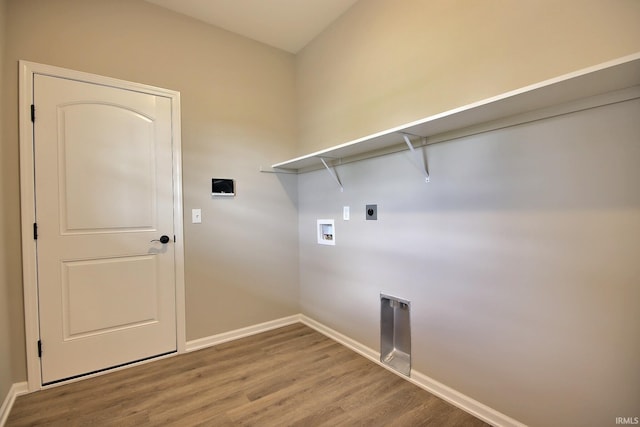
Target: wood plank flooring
[{"x": 291, "y": 376}]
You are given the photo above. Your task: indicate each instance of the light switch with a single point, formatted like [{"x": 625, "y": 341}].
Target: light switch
[
  {"x": 196, "y": 216},
  {"x": 345, "y": 213}
]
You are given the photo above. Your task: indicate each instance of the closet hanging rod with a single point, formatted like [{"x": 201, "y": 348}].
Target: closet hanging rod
[{"x": 281, "y": 172}]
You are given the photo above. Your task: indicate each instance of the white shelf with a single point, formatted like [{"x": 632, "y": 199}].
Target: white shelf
[{"x": 611, "y": 76}]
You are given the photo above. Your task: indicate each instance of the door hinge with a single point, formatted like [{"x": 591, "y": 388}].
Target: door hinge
[
  {"x": 33, "y": 113},
  {"x": 39, "y": 348},
  {"x": 35, "y": 231}
]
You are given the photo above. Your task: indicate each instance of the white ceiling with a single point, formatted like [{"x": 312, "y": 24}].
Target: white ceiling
[{"x": 285, "y": 24}]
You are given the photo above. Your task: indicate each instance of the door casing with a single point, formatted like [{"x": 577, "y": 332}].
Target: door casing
[{"x": 27, "y": 193}]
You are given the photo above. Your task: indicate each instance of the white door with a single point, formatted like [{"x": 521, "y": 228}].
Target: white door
[{"x": 103, "y": 197}]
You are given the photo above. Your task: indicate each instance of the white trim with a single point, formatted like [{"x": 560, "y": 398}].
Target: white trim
[
  {"x": 178, "y": 222},
  {"x": 421, "y": 380},
  {"x": 29, "y": 267},
  {"x": 212, "y": 340},
  {"x": 16, "y": 390},
  {"x": 27, "y": 194},
  {"x": 342, "y": 339}
]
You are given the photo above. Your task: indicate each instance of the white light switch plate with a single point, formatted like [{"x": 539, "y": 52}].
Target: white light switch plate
[
  {"x": 196, "y": 216},
  {"x": 345, "y": 213}
]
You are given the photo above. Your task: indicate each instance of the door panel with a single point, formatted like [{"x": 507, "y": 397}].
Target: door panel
[
  {"x": 92, "y": 287},
  {"x": 99, "y": 195},
  {"x": 104, "y": 192}
]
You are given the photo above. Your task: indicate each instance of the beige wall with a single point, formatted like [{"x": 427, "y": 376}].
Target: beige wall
[
  {"x": 517, "y": 257},
  {"x": 6, "y": 374},
  {"x": 386, "y": 63},
  {"x": 237, "y": 114}
]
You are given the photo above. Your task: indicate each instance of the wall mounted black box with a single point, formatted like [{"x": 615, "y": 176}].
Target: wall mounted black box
[{"x": 223, "y": 187}]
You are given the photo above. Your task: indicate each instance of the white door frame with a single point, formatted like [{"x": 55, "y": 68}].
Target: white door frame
[{"x": 27, "y": 193}]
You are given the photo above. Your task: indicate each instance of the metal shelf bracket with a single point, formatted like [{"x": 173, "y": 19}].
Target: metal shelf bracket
[
  {"x": 421, "y": 160},
  {"x": 332, "y": 173}
]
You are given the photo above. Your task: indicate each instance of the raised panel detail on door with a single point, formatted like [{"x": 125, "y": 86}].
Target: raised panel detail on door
[
  {"x": 91, "y": 288},
  {"x": 99, "y": 195}
]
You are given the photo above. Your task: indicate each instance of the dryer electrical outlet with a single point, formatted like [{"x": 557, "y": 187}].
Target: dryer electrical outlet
[{"x": 371, "y": 212}]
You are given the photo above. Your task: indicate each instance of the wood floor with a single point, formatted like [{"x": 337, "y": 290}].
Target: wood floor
[{"x": 288, "y": 376}]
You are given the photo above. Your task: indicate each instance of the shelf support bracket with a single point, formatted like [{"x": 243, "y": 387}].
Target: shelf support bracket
[
  {"x": 332, "y": 173},
  {"x": 421, "y": 161}
]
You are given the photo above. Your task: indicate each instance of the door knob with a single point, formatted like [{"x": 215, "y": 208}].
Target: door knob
[{"x": 163, "y": 239}]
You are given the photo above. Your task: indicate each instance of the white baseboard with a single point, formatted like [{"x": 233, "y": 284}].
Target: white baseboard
[
  {"x": 472, "y": 406},
  {"x": 240, "y": 333},
  {"x": 434, "y": 387},
  {"x": 16, "y": 390},
  {"x": 342, "y": 339}
]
